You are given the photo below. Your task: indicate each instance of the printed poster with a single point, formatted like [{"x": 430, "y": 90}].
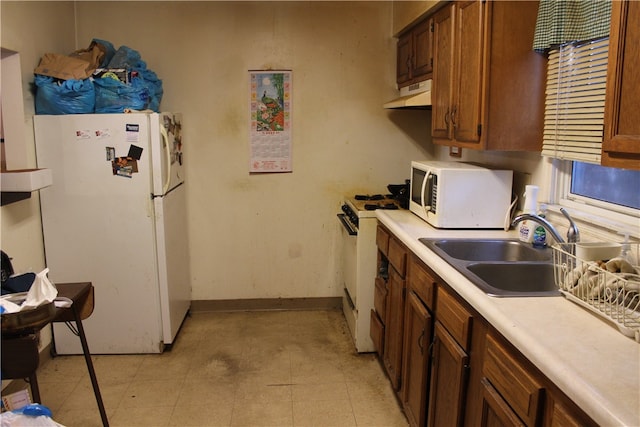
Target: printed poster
[{"x": 270, "y": 121}]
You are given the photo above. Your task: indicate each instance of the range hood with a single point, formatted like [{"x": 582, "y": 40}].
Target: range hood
[{"x": 416, "y": 96}]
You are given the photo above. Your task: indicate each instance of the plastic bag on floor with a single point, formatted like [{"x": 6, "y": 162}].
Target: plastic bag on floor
[
  {"x": 11, "y": 419},
  {"x": 32, "y": 415}
]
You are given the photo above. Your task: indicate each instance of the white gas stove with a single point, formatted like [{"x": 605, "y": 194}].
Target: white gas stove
[{"x": 359, "y": 263}]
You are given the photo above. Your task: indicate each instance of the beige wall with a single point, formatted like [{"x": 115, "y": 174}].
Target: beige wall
[
  {"x": 30, "y": 28},
  {"x": 406, "y": 13},
  {"x": 271, "y": 235},
  {"x": 252, "y": 236}
]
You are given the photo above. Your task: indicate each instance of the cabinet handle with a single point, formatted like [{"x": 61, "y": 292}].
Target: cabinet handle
[
  {"x": 446, "y": 118},
  {"x": 453, "y": 116},
  {"x": 420, "y": 342}
]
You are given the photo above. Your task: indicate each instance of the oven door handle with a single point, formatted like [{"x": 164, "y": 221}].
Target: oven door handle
[{"x": 343, "y": 219}]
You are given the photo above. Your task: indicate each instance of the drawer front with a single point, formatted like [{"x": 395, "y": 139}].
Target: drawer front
[
  {"x": 520, "y": 389},
  {"x": 380, "y": 298},
  {"x": 376, "y": 331},
  {"x": 398, "y": 256},
  {"x": 382, "y": 240},
  {"x": 455, "y": 318},
  {"x": 421, "y": 282}
]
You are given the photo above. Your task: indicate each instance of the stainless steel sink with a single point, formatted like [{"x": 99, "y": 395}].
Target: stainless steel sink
[
  {"x": 500, "y": 267},
  {"x": 515, "y": 279},
  {"x": 489, "y": 250}
]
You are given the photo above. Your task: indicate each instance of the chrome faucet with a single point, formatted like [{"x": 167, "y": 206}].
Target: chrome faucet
[{"x": 573, "y": 235}]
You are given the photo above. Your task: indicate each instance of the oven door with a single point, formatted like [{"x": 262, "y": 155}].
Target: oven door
[{"x": 349, "y": 261}]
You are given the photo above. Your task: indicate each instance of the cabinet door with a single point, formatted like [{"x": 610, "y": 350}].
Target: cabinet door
[
  {"x": 376, "y": 332},
  {"x": 417, "y": 341},
  {"x": 565, "y": 413},
  {"x": 442, "y": 89},
  {"x": 423, "y": 49},
  {"x": 495, "y": 411},
  {"x": 621, "y": 145},
  {"x": 382, "y": 240},
  {"x": 449, "y": 372},
  {"x": 394, "y": 327},
  {"x": 398, "y": 256},
  {"x": 466, "y": 113},
  {"x": 518, "y": 386},
  {"x": 404, "y": 58}
]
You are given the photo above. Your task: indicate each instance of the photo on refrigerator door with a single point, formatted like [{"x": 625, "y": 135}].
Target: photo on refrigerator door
[
  {"x": 173, "y": 127},
  {"x": 124, "y": 166}
]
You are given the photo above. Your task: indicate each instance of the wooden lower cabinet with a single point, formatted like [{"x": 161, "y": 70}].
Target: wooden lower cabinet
[
  {"x": 447, "y": 364},
  {"x": 515, "y": 393},
  {"x": 495, "y": 411},
  {"x": 418, "y": 336},
  {"x": 377, "y": 332},
  {"x": 449, "y": 369},
  {"x": 510, "y": 379},
  {"x": 565, "y": 414},
  {"x": 415, "y": 366},
  {"x": 394, "y": 327}
]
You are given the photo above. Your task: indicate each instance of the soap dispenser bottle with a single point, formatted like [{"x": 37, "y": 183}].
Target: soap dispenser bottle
[
  {"x": 526, "y": 228},
  {"x": 539, "y": 233}
]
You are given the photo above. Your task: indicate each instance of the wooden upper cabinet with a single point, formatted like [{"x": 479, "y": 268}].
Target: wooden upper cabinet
[
  {"x": 414, "y": 57},
  {"x": 466, "y": 114},
  {"x": 403, "y": 64},
  {"x": 621, "y": 145},
  {"x": 423, "y": 49},
  {"x": 488, "y": 83},
  {"x": 443, "y": 76}
]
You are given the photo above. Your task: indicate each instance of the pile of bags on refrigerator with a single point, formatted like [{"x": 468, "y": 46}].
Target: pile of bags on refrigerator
[{"x": 99, "y": 79}]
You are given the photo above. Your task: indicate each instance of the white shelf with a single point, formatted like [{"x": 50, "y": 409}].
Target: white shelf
[{"x": 25, "y": 180}]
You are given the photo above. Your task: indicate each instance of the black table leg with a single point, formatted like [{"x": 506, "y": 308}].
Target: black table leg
[
  {"x": 92, "y": 373},
  {"x": 35, "y": 390}
]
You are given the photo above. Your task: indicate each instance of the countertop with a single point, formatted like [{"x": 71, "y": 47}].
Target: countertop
[{"x": 588, "y": 359}]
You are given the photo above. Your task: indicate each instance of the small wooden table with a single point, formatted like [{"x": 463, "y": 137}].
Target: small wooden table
[{"x": 20, "y": 354}]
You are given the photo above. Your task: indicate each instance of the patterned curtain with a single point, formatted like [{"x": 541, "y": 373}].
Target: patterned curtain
[{"x": 561, "y": 21}]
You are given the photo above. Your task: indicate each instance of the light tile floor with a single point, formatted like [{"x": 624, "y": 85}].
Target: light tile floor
[{"x": 278, "y": 368}]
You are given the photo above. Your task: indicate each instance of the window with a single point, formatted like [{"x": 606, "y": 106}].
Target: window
[
  {"x": 574, "y": 102},
  {"x": 618, "y": 187},
  {"x": 573, "y": 131}
]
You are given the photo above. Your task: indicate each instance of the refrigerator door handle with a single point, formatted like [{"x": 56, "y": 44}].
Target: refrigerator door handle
[{"x": 165, "y": 138}]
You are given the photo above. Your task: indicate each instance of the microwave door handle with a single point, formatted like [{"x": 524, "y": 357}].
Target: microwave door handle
[{"x": 422, "y": 191}]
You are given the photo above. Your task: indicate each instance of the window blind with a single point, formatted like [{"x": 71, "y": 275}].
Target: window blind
[{"x": 574, "y": 104}]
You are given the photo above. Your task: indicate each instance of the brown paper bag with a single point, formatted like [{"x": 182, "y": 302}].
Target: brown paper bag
[
  {"x": 64, "y": 67},
  {"x": 94, "y": 55}
]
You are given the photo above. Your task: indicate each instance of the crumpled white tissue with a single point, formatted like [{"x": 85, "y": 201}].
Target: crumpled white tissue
[{"x": 42, "y": 291}]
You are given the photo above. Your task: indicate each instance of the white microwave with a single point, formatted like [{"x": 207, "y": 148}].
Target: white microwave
[{"x": 460, "y": 195}]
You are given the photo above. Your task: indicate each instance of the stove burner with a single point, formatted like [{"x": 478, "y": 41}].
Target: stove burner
[
  {"x": 374, "y": 206},
  {"x": 368, "y": 197}
]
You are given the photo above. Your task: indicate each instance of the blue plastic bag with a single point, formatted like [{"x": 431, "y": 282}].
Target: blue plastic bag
[
  {"x": 128, "y": 58},
  {"x": 154, "y": 86},
  {"x": 109, "y": 52},
  {"x": 64, "y": 97},
  {"x": 114, "y": 96}
]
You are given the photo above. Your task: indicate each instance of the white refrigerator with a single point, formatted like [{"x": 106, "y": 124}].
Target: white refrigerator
[{"x": 115, "y": 216}]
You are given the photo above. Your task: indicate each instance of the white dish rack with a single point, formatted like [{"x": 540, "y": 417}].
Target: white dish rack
[{"x": 601, "y": 287}]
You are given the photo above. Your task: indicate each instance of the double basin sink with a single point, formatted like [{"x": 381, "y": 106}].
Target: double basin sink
[{"x": 500, "y": 267}]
